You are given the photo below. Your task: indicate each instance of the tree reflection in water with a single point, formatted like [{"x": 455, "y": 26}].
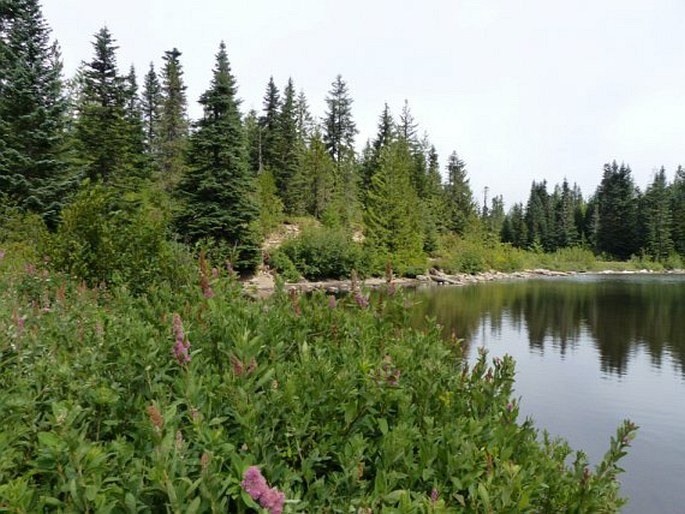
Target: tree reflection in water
[{"x": 621, "y": 314}]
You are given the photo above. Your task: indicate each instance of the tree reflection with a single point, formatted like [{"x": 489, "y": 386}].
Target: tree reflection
[{"x": 621, "y": 315}]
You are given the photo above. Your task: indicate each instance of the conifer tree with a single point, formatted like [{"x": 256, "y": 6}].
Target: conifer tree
[
  {"x": 305, "y": 122},
  {"x": 371, "y": 156},
  {"x": 218, "y": 190},
  {"x": 564, "y": 205},
  {"x": 290, "y": 149},
  {"x": 269, "y": 123},
  {"x": 458, "y": 195},
  {"x": 539, "y": 217},
  {"x": 102, "y": 130},
  {"x": 151, "y": 106},
  {"x": 33, "y": 173},
  {"x": 617, "y": 209},
  {"x": 656, "y": 218},
  {"x": 253, "y": 142},
  {"x": 391, "y": 226},
  {"x": 339, "y": 127},
  {"x": 133, "y": 114},
  {"x": 173, "y": 126},
  {"x": 678, "y": 211},
  {"x": 313, "y": 185},
  {"x": 514, "y": 229}
]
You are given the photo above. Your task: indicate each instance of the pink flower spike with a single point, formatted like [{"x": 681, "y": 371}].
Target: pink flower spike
[{"x": 254, "y": 483}]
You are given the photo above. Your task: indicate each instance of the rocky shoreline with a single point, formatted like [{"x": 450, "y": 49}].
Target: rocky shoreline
[{"x": 263, "y": 284}]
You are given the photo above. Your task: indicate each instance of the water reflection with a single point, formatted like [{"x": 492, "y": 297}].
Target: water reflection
[{"x": 622, "y": 315}]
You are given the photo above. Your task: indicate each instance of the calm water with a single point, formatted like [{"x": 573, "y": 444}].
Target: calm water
[{"x": 590, "y": 351}]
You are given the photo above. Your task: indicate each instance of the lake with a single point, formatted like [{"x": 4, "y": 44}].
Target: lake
[{"x": 591, "y": 350}]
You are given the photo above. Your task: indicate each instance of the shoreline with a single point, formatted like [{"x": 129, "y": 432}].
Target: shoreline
[{"x": 263, "y": 285}]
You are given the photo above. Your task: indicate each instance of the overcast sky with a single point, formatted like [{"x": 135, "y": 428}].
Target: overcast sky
[{"x": 522, "y": 90}]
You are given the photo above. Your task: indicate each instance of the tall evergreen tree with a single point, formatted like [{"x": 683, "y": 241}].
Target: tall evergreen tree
[
  {"x": 656, "y": 218},
  {"x": 539, "y": 218},
  {"x": 290, "y": 149},
  {"x": 618, "y": 210},
  {"x": 133, "y": 114},
  {"x": 678, "y": 210},
  {"x": 339, "y": 127},
  {"x": 313, "y": 185},
  {"x": 102, "y": 130},
  {"x": 458, "y": 195},
  {"x": 218, "y": 189},
  {"x": 305, "y": 121},
  {"x": 151, "y": 106},
  {"x": 371, "y": 155},
  {"x": 253, "y": 141},
  {"x": 173, "y": 126},
  {"x": 33, "y": 173},
  {"x": 514, "y": 229},
  {"x": 565, "y": 232},
  {"x": 391, "y": 226},
  {"x": 270, "y": 127}
]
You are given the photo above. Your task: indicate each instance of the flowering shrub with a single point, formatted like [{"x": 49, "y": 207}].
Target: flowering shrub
[{"x": 343, "y": 408}]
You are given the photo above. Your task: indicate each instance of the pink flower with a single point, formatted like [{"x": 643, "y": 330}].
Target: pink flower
[
  {"x": 332, "y": 302},
  {"x": 362, "y": 301},
  {"x": 182, "y": 345},
  {"x": 2, "y": 254},
  {"x": 256, "y": 486},
  {"x": 435, "y": 494}
]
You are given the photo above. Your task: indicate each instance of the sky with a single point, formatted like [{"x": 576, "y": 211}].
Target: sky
[{"x": 522, "y": 90}]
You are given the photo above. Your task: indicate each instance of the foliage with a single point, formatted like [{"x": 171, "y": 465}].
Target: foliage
[
  {"x": 218, "y": 190},
  {"x": 340, "y": 404},
  {"x": 107, "y": 239},
  {"x": 320, "y": 253},
  {"x": 33, "y": 171}
]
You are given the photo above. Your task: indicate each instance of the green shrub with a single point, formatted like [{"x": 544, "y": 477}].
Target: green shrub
[
  {"x": 344, "y": 408},
  {"x": 323, "y": 253},
  {"x": 104, "y": 238}
]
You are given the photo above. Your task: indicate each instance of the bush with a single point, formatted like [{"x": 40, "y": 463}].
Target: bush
[
  {"x": 322, "y": 253},
  {"x": 104, "y": 238},
  {"x": 161, "y": 403}
]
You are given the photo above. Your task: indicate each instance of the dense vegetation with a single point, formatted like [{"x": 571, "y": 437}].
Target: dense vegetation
[
  {"x": 135, "y": 380},
  {"x": 226, "y": 180},
  {"x": 195, "y": 399}
]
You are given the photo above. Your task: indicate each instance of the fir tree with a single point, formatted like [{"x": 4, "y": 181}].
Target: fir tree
[
  {"x": 218, "y": 190},
  {"x": 133, "y": 115},
  {"x": 290, "y": 149},
  {"x": 173, "y": 126},
  {"x": 151, "y": 105},
  {"x": 304, "y": 120},
  {"x": 678, "y": 211},
  {"x": 270, "y": 129},
  {"x": 33, "y": 173},
  {"x": 617, "y": 208},
  {"x": 391, "y": 226},
  {"x": 339, "y": 127},
  {"x": 564, "y": 205},
  {"x": 539, "y": 217},
  {"x": 514, "y": 229},
  {"x": 458, "y": 195},
  {"x": 314, "y": 183},
  {"x": 253, "y": 141},
  {"x": 656, "y": 218},
  {"x": 371, "y": 156},
  {"x": 101, "y": 129}
]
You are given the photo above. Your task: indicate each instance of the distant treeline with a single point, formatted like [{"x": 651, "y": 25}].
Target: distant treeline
[{"x": 230, "y": 177}]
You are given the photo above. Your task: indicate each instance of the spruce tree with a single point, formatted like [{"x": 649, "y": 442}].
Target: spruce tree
[
  {"x": 339, "y": 127},
  {"x": 290, "y": 149},
  {"x": 33, "y": 172},
  {"x": 313, "y": 185},
  {"x": 539, "y": 217},
  {"x": 151, "y": 106},
  {"x": 678, "y": 211},
  {"x": 458, "y": 196},
  {"x": 218, "y": 190},
  {"x": 133, "y": 114},
  {"x": 391, "y": 225},
  {"x": 618, "y": 212},
  {"x": 253, "y": 142},
  {"x": 565, "y": 232},
  {"x": 371, "y": 156},
  {"x": 173, "y": 126},
  {"x": 656, "y": 218},
  {"x": 270, "y": 128},
  {"x": 304, "y": 119},
  {"x": 102, "y": 130}
]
